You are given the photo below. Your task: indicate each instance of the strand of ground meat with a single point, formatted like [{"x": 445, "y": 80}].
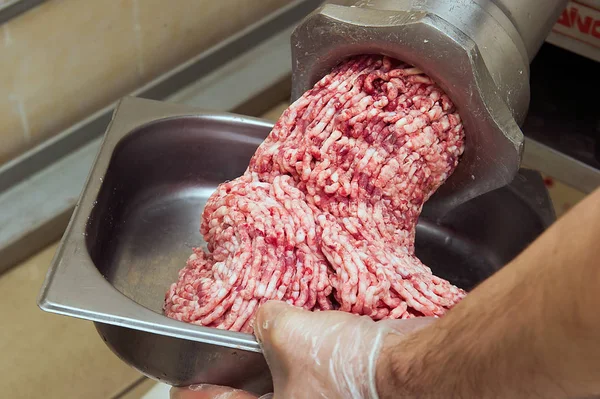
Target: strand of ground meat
[{"x": 325, "y": 215}]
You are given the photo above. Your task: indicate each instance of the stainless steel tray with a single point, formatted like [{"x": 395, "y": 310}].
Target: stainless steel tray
[{"x": 139, "y": 215}]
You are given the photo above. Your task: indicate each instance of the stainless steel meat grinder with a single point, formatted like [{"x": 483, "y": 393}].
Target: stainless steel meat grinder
[{"x": 478, "y": 51}]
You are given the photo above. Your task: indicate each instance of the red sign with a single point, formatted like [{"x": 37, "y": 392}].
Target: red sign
[{"x": 580, "y": 22}]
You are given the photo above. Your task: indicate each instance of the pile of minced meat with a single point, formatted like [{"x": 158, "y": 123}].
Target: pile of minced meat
[{"x": 325, "y": 215}]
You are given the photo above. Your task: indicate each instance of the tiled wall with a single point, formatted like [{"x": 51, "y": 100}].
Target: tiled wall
[{"x": 65, "y": 59}]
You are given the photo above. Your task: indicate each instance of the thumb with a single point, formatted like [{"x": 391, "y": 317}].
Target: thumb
[
  {"x": 276, "y": 326},
  {"x": 273, "y": 316},
  {"x": 318, "y": 354}
]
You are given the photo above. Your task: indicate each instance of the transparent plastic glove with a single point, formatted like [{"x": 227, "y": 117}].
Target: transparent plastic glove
[{"x": 328, "y": 354}]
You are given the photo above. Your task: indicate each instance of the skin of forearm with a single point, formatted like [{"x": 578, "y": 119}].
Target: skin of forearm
[{"x": 531, "y": 330}]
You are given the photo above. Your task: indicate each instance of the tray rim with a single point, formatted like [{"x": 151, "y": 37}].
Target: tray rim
[{"x": 75, "y": 287}]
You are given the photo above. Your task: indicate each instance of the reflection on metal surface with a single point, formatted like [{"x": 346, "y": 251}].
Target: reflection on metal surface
[{"x": 138, "y": 217}]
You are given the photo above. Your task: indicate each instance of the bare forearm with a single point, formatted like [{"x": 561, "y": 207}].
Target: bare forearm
[{"x": 531, "y": 330}]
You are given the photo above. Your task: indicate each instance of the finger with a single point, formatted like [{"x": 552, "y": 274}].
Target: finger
[
  {"x": 276, "y": 320},
  {"x": 276, "y": 328},
  {"x": 205, "y": 391},
  {"x": 270, "y": 314},
  {"x": 299, "y": 342},
  {"x": 285, "y": 331},
  {"x": 308, "y": 352},
  {"x": 272, "y": 332}
]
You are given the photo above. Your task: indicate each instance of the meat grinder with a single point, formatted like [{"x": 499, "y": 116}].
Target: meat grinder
[{"x": 478, "y": 51}]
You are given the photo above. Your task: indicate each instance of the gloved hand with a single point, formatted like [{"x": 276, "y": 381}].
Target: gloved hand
[{"x": 327, "y": 354}]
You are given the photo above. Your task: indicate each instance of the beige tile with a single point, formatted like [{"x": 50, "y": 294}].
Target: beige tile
[
  {"x": 186, "y": 27},
  {"x": 274, "y": 113},
  {"x": 51, "y": 356},
  {"x": 139, "y": 390},
  {"x": 12, "y": 135},
  {"x": 69, "y": 58}
]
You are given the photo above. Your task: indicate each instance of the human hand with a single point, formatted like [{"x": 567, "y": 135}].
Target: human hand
[{"x": 328, "y": 354}]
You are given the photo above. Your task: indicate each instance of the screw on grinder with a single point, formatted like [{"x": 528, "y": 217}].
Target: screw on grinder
[{"x": 477, "y": 51}]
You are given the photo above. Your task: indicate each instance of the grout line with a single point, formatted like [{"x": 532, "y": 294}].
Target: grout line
[{"x": 137, "y": 28}]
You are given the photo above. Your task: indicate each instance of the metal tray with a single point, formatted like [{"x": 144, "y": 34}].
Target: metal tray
[{"x": 139, "y": 215}]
